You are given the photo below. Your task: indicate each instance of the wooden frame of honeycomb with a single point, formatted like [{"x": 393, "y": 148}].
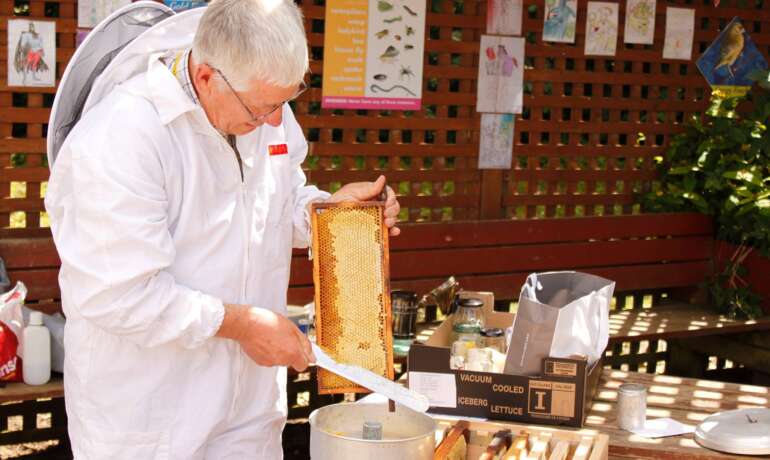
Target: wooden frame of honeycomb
[{"x": 352, "y": 290}]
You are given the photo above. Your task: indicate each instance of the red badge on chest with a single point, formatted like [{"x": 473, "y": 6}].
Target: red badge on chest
[{"x": 277, "y": 149}]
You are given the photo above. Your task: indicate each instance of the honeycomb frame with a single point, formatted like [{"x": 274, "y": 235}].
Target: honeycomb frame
[{"x": 336, "y": 323}]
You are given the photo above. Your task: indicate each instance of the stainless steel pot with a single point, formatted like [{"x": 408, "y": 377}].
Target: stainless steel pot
[{"x": 336, "y": 433}]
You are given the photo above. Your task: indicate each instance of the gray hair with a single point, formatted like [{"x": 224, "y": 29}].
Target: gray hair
[{"x": 253, "y": 40}]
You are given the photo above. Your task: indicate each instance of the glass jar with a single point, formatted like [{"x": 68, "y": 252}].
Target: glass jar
[
  {"x": 465, "y": 337},
  {"x": 632, "y": 406},
  {"x": 493, "y": 337},
  {"x": 469, "y": 315}
]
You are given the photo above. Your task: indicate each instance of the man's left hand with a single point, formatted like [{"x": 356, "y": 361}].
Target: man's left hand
[{"x": 366, "y": 191}]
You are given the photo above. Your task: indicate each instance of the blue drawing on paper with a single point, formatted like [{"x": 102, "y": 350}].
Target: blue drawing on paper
[{"x": 560, "y": 20}]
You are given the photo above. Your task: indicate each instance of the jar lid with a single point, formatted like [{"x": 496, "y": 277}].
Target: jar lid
[
  {"x": 492, "y": 332},
  {"x": 409, "y": 295},
  {"x": 632, "y": 388},
  {"x": 470, "y": 303}
]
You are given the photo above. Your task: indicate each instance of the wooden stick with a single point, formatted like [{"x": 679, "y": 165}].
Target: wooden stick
[
  {"x": 501, "y": 440},
  {"x": 458, "y": 430},
  {"x": 539, "y": 449},
  {"x": 560, "y": 451},
  {"x": 583, "y": 449},
  {"x": 518, "y": 448}
]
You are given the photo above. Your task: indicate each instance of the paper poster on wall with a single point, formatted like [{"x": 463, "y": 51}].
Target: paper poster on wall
[
  {"x": 31, "y": 53},
  {"x": 496, "y": 144},
  {"x": 92, "y": 12},
  {"x": 729, "y": 60},
  {"x": 182, "y": 5},
  {"x": 81, "y": 35},
  {"x": 373, "y": 54},
  {"x": 640, "y": 22},
  {"x": 680, "y": 27},
  {"x": 501, "y": 74},
  {"x": 504, "y": 17},
  {"x": 601, "y": 28},
  {"x": 560, "y": 21}
]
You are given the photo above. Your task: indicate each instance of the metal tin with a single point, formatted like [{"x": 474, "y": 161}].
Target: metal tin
[
  {"x": 335, "y": 433},
  {"x": 742, "y": 431},
  {"x": 632, "y": 406},
  {"x": 404, "y": 310},
  {"x": 372, "y": 430}
]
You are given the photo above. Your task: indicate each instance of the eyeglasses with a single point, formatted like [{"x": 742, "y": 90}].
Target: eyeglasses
[{"x": 260, "y": 118}]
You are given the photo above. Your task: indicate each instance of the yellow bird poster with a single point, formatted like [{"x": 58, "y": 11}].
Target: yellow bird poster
[{"x": 730, "y": 59}]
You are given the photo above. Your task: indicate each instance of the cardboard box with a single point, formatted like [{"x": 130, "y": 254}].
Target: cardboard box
[{"x": 559, "y": 396}]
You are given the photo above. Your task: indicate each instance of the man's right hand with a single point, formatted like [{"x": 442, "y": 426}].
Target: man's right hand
[{"x": 267, "y": 338}]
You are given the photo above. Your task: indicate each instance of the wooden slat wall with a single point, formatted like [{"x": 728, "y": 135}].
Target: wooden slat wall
[
  {"x": 578, "y": 148},
  {"x": 639, "y": 252}
]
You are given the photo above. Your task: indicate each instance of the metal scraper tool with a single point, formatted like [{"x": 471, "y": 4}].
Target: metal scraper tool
[{"x": 372, "y": 381}]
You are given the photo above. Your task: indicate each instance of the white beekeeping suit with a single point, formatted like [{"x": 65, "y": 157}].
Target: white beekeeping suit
[{"x": 156, "y": 228}]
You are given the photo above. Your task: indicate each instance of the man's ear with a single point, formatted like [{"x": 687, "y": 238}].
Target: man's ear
[{"x": 203, "y": 77}]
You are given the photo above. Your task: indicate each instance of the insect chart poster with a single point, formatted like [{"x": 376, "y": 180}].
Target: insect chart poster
[{"x": 373, "y": 54}]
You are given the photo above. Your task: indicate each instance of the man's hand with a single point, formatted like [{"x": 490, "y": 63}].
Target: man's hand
[
  {"x": 268, "y": 338},
  {"x": 366, "y": 191}
]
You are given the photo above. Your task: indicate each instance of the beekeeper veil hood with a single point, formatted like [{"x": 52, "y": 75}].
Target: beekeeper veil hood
[{"x": 116, "y": 49}]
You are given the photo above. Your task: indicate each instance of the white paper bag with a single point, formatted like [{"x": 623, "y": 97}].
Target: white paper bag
[{"x": 561, "y": 314}]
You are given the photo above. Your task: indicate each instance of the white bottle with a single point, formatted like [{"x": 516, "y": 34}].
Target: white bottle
[{"x": 36, "y": 357}]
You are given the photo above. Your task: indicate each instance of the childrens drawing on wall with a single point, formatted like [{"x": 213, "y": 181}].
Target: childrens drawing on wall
[
  {"x": 504, "y": 17},
  {"x": 680, "y": 27},
  {"x": 560, "y": 21},
  {"x": 496, "y": 143},
  {"x": 640, "y": 22},
  {"x": 729, "y": 60},
  {"x": 92, "y": 12},
  {"x": 601, "y": 28},
  {"x": 500, "y": 74},
  {"x": 31, "y": 53}
]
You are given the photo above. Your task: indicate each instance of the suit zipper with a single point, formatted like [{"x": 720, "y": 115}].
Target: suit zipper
[{"x": 231, "y": 141}]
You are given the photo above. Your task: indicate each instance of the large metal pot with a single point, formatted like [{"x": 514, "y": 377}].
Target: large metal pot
[{"x": 336, "y": 433}]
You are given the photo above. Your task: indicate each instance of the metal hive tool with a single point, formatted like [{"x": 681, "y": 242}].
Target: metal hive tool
[{"x": 352, "y": 286}]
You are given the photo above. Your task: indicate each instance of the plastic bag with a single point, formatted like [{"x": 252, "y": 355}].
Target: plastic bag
[
  {"x": 11, "y": 325},
  {"x": 561, "y": 314}
]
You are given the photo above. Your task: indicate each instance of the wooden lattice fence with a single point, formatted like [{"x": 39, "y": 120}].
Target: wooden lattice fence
[{"x": 584, "y": 144}]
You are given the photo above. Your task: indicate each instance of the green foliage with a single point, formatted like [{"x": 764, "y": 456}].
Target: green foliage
[
  {"x": 731, "y": 293},
  {"x": 720, "y": 166}
]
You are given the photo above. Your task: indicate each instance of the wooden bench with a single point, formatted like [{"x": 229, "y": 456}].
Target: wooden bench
[
  {"x": 658, "y": 261},
  {"x": 686, "y": 400}
]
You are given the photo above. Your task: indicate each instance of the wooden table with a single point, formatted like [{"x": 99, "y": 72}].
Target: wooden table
[
  {"x": 22, "y": 392},
  {"x": 683, "y": 399}
]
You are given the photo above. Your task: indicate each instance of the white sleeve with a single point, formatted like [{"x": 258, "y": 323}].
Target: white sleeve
[
  {"x": 303, "y": 194},
  {"x": 112, "y": 234}
]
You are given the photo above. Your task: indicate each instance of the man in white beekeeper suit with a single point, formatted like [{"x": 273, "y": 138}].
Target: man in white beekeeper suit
[{"x": 174, "y": 206}]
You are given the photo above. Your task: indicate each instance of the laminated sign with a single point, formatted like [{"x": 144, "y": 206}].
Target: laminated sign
[{"x": 373, "y": 54}]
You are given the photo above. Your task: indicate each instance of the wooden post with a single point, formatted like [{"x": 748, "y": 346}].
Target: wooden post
[{"x": 492, "y": 194}]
